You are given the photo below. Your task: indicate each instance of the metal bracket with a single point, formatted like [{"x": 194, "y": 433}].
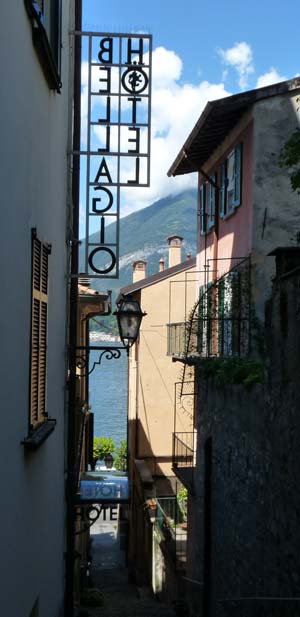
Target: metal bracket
[{"x": 105, "y": 352}]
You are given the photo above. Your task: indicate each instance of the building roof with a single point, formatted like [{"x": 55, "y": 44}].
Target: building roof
[
  {"x": 217, "y": 120},
  {"x": 156, "y": 278},
  {"x": 83, "y": 290}
]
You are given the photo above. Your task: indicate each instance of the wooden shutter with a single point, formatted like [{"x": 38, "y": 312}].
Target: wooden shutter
[
  {"x": 237, "y": 175},
  {"x": 223, "y": 189},
  {"x": 202, "y": 210},
  {"x": 39, "y": 323},
  {"x": 212, "y": 202}
]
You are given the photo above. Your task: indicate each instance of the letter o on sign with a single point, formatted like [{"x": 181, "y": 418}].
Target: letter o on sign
[
  {"x": 107, "y": 491},
  {"x": 98, "y": 249}
]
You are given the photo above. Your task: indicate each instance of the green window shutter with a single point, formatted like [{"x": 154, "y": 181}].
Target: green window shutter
[
  {"x": 212, "y": 203},
  {"x": 237, "y": 175},
  {"x": 202, "y": 210},
  {"x": 223, "y": 187}
]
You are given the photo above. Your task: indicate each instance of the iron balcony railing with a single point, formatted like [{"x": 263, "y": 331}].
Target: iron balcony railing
[
  {"x": 183, "y": 449},
  {"x": 219, "y": 325}
]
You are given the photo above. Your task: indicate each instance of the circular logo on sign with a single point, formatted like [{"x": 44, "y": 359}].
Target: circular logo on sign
[
  {"x": 102, "y": 270},
  {"x": 134, "y": 80}
]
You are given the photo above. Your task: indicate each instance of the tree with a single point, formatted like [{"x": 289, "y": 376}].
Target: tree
[
  {"x": 102, "y": 446},
  {"x": 121, "y": 457},
  {"x": 290, "y": 157}
]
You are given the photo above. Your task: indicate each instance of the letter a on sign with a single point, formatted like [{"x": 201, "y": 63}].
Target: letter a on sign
[
  {"x": 103, "y": 172},
  {"x": 116, "y": 137}
]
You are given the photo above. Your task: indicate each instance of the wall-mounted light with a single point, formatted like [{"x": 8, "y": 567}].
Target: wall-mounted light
[{"x": 129, "y": 317}]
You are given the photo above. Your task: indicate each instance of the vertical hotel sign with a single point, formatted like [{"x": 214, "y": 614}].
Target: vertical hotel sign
[{"x": 117, "y": 129}]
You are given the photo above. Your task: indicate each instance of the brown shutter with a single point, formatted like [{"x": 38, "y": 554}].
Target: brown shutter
[{"x": 39, "y": 321}]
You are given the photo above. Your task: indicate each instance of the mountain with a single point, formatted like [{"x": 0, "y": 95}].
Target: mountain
[{"x": 143, "y": 236}]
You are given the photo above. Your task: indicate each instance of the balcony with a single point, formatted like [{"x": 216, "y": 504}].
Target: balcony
[
  {"x": 220, "y": 322},
  {"x": 184, "y": 448}
]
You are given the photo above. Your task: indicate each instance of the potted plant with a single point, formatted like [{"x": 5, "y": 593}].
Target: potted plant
[
  {"x": 103, "y": 447},
  {"x": 182, "y": 497}
]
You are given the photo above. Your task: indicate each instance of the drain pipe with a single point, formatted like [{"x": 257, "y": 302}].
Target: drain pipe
[{"x": 71, "y": 486}]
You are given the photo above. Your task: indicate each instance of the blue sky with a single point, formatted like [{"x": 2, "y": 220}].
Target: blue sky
[{"x": 202, "y": 51}]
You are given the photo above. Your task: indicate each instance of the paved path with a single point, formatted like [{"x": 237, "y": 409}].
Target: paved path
[{"x": 110, "y": 576}]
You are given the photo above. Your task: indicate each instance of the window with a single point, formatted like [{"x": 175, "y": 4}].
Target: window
[
  {"x": 39, "y": 323},
  {"x": 40, "y": 425},
  {"x": 207, "y": 205},
  {"x": 206, "y": 320},
  {"x": 45, "y": 16},
  {"x": 229, "y": 314},
  {"x": 230, "y": 182}
]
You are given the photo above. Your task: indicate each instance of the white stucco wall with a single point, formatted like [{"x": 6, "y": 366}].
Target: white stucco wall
[
  {"x": 276, "y": 207},
  {"x": 33, "y": 180}
]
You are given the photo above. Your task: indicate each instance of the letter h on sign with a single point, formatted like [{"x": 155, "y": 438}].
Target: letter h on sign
[{"x": 118, "y": 139}]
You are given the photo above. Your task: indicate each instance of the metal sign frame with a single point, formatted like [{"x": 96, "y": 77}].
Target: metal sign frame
[{"x": 120, "y": 65}]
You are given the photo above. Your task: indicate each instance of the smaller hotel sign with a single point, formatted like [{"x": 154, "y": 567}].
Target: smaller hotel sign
[
  {"x": 108, "y": 488},
  {"x": 117, "y": 138}
]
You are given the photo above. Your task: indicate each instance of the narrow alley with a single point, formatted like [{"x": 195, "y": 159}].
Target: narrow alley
[{"x": 110, "y": 576}]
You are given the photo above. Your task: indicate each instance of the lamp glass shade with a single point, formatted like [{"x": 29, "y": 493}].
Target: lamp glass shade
[{"x": 129, "y": 317}]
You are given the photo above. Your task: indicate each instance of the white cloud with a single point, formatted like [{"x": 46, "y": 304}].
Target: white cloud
[
  {"x": 175, "y": 109},
  {"x": 271, "y": 77},
  {"x": 240, "y": 57}
]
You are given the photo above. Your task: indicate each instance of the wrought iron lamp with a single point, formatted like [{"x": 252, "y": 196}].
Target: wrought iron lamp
[
  {"x": 129, "y": 317},
  {"x": 109, "y": 460}
]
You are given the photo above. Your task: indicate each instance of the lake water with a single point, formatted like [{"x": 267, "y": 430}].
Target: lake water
[{"x": 108, "y": 395}]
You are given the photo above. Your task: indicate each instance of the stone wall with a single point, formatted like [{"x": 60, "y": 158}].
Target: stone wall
[{"x": 247, "y": 503}]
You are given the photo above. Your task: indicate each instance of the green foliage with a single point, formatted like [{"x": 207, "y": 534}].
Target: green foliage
[
  {"x": 121, "y": 456},
  {"x": 102, "y": 445},
  {"x": 230, "y": 371},
  {"x": 182, "y": 497},
  {"x": 91, "y": 597},
  {"x": 290, "y": 157}
]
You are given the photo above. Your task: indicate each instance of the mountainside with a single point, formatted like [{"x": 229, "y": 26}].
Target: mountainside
[{"x": 143, "y": 236}]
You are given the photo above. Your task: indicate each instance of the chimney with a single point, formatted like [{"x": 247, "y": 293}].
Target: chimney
[
  {"x": 188, "y": 256},
  {"x": 161, "y": 264},
  {"x": 84, "y": 281},
  {"x": 139, "y": 270},
  {"x": 174, "y": 250}
]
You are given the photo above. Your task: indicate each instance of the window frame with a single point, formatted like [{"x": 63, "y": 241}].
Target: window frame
[
  {"x": 227, "y": 208},
  {"x": 229, "y": 318},
  {"x": 38, "y": 331},
  {"x": 40, "y": 425},
  {"x": 208, "y": 205},
  {"x": 46, "y": 37}
]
